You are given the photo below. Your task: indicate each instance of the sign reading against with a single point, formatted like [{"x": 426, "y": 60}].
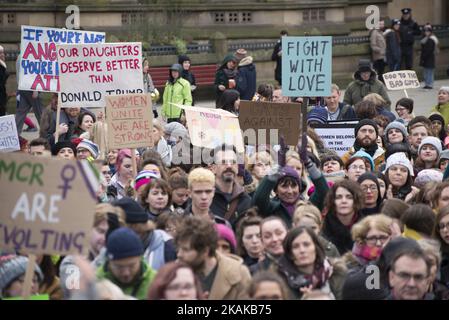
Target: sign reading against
[
  {"x": 209, "y": 128},
  {"x": 9, "y": 139},
  {"x": 88, "y": 73},
  {"x": 399, "y": 80},
  {"x": 130, "y": 121},
  {"x": 263, "y": 116},
  {"x": 39, "y": 68},
  {"x": 47, "y": 204},
  {"x": 306, "y": 66},
  {"x": 337, "y": 137}
]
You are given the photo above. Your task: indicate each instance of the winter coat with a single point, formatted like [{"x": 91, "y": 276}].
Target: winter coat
[
  {"x": 443, "y": 109},
  {"x": 278, "y": 59},
  {"x": 358, "y": 89},
  {"x": 231, "y": 280},
  {"x": 408, "y": 29},
  {"x": 221, "y": 78},
  {"x": 246, "y": 78},
  {"x": 159, "y": 249},
  {"x": 176, "y": 92},
  {"x": 393, "y": 51},
  {"x": 346, "y": 112},
  {"x": 378, "y": 45},
  {"x": 165, "y": 151},
  {"x": 4, "y": 74},
  {"x": 429, "y": 47},
  {"x": 273, "y": 207},
  {"x": 337, "y": 233},
  {"x": 333, "y": 285},
  {"x": 220, "y": 203},
  {"x": 138, "y": 288}
]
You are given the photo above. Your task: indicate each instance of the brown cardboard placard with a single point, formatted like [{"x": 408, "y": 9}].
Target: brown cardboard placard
[
  {"x": 130, "y": 121},
  {"x": 47, "y": 204},
  {"x": 285, "y": 117}
]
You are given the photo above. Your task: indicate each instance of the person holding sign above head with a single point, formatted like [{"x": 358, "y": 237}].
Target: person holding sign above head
[
  {"x": 337, "y": 110},
  {"x": 86, "y": 121},
  {"x": 366, "y": 133},
  {"x": 443, "y": 103},
  {"x": 125, "y": 266},
  {"x": 393, "y": 39},
  {"x": 177, "y": 91},
  {"x": 365, "y": 82}
]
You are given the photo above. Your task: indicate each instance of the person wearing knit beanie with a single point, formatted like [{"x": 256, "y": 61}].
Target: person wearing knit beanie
[
  {"x": 427, "y": 175},
  {"x": 395, "y": 132},
  {"x": 12, "y": 273},
  {"x": 143, "y": 178},
  {"x": 428, "y": 152},
  {"x": 64, "y": 149},
  {"x": 443, "y": 103},
  {"x": 363, "y": 154},
  {"x": 134, "y": 212},
  {"x": 443, "y": 160},
  {"x": 227, "y": 242},
  {"x": 400, "y": 159},
  {"x": 125, "y": 265},
  {"x": 373, "y": 198},
  {"x": 86, "y": 149},
  {"x": 366, "y": 122},
  {"x": 317, "y": 115}
]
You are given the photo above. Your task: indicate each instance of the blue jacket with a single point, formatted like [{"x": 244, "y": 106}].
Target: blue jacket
[{"x": 246, "y": 79}]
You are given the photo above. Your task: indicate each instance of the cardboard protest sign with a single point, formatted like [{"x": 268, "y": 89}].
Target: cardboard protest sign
[
  {"x": 399, "y": 80},
  {"x": 89, "y": 72},
  {"x": 261, "y": 117},
  {"x": 47, "y": 204},
  {"x": 130, "y": 121},
  {"x": 337, "y": 137},
  {"x": 9, "y": 139},
  {"x": 210, "y": 128},
  {"x": 39, "y": 68},
  {"x": 306, "y": 66}
]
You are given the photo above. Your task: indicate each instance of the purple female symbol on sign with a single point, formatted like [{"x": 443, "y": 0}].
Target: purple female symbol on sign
[{"x": 68, "y": 174}]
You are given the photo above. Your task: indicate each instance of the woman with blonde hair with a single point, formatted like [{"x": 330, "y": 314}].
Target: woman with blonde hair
[
  {"x": 382, "y": 107},
  {"x": 370, "y": 235},
  {"x": 307, "y": 215},
  {"x": 259, "y": 164}
]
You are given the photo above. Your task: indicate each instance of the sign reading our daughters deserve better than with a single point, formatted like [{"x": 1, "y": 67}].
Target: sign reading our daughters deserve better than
[
  {"x": 306, "y": 66},
  {"x": 88, "y": 73},
  {"x": 39, "y": 68}
]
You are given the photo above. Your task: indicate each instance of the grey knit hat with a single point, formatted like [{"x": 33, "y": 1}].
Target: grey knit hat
[
  {"x": 395, "y": 125},
  {"x": 12, "y": 267},
  {"x": 435, "y": 142},
  {"x": 444, "y": 155}
]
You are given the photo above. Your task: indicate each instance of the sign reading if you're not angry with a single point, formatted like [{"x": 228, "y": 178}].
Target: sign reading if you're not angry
[
  {"x": 47, "y": 204},
  {"x": 306, "y": 66}
]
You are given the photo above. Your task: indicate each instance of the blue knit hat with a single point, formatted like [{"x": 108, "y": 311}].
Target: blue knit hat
[
  {"x": 363, "y": 154},
  {"x": 123, "y": 243},
  {"x": 89, "y": 145},
  {"x": 12, "y": 267},
  {"x": 134, "y": 212},
  {"x": 317, "y": 114}
]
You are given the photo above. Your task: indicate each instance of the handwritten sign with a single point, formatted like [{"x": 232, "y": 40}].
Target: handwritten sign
[
  {"x": 47, "y": 204},
  {"x": 88, "y": 73},
  {"x": 399, "y": 80},
  {"x": 306, "y": 66},
  {"x": 261, "y": 117},
  {"x": 9, "y": 139},
  {"x": 337, "y": 137},
  {"x": 210, "y": 128},
  {"x": 130, "y": 121},
  {"x": 39, "y": 68}
]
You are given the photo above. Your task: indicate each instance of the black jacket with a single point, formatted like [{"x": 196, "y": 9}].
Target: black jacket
[
  {"x": 278, "y": 59},
  {"x": 4, "y": 74},
  {"x": 428, "y": 48},
  {"x": 337, "y": 233},
  {"x": 408, "y": 29},
  {"x": 246, "y": 79}
]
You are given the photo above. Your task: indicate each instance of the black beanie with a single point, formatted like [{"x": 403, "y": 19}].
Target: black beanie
[
  {"x": 365, "y": 122},
  {"x": 134, "y": 212},
  {"x": 183, "y": 58},
  {"x": 61, "y": 145}
]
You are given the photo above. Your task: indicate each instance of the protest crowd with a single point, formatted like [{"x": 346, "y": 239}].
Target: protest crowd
[{"x": 277, "y": 220}]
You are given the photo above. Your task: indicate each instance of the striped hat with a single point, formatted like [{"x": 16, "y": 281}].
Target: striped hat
[
  {"x": 144, "y": 177},
  {"x": 89, "y": 145}
]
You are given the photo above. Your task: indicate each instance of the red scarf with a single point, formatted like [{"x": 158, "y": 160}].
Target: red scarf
[{"x": 365, "y": 253}]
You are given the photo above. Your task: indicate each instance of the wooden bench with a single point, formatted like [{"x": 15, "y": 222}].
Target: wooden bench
[{"x": 204, "y": 75}]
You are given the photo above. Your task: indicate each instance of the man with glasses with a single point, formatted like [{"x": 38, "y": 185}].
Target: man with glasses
[
  {"x": 409, "y": 275},
  {"x": 125, "y": 266},
  {"x": 230, "y": 198},
  {"x": 366, "y": 133}
]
